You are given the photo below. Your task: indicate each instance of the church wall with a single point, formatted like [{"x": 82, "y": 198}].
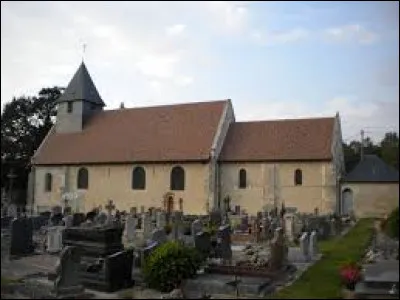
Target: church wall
[
  {"x": 373, "y": 199},
  {"x": 114, "y": 182},
  {"x": 318, "y": 188}
]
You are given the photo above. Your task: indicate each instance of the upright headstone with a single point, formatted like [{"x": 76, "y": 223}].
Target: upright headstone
[
  {"x": 54, "y": 239},
  {"x": 21, "y": 236},
  {"x": 161, "y": 221},
  {"x": 12, "y": 210},
  {"x": 313, "y": 245},
  {"x": 196, "y": 227},
  {"x": 131, "y": 223},
  {"x": 202, "y": 242},
  {"x": 68, "y": 221},
  {"x": 304, "y": 245},
  {"x": 133, "y": 211},
  {"x": 177, "y": 224},
  {"x": 224, "y": 243},
  {"x": 67, "y": 282},
  {"x": 279, "y": 250},
  {"x": 147, "y": 227},
  {"x": 289, "y": 226},
  {"x": 266, "y": 229}
]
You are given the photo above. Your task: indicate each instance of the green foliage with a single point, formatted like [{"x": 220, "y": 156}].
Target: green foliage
[
  {"x": 392, "y": 224},
  {"x": 169, "y": 264},
  {"x": 211, "y": 229},
  {"x": 25, "y": 121}
]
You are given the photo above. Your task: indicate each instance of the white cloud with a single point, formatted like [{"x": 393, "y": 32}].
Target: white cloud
[
  {"x": 176, "y": 29},
  {"x": 279, "y": 37},
  {"x": 350, "y": 33}
]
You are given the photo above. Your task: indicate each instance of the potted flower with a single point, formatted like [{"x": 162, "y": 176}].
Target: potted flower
[{"x": 350, "y": 274}]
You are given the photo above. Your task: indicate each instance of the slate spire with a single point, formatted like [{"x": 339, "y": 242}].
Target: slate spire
[{"x": 81, "y": 88}]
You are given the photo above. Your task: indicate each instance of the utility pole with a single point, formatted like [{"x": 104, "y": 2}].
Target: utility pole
[{"x": 362, "y": 145}]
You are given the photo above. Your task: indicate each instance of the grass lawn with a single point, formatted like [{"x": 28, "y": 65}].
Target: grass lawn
[{"x": 321, "y": 281}]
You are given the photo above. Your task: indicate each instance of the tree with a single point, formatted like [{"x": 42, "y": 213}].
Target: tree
[
  {"x": 390, "y": 149},
  {"x": 25, "y": 121}
]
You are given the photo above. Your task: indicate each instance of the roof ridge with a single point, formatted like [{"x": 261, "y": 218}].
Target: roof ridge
[
  {"x": 284, "y": 120},
  {"x": 167, "y": 105}
]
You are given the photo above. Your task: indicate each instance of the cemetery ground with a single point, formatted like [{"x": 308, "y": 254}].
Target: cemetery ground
[
  {"x": 239, "y": 264},
  {"x": 321, "y": 281}
]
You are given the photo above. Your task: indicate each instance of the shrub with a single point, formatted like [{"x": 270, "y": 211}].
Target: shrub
[
  {"x": 169, "y": 264},
  {"x": 211, "y": 229},
  {"x": 392, "y": 224}
]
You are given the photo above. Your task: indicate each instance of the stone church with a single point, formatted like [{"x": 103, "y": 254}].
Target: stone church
[{"x": 192, "y": 157}]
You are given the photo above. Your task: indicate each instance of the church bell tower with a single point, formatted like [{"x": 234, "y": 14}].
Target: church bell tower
[{"x": 78, "y": 103}]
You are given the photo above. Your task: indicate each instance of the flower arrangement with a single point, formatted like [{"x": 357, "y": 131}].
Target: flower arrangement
[{"x": 350, "y": 274}]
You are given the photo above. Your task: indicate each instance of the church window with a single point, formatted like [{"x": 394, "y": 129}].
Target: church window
[
  {"x": 138, "y": 178},
  {"x": 242, "y": 179},
  {"x": 83, "y": 178},
  {"x": 177, "y": 179},
  {"x": 48, "y": 182},
  {"x": 70, "y": 107},
  {"x": 298, "y": 177}
]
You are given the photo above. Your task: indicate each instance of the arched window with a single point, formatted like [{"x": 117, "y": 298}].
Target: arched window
[
  {"x": 138, "y": 178},
  {"x": 83, "y": 178},
  {"x": 48, "y": 182},
  {"x": 298, "y": 177},
  {"x": 177, "y": 179},
  {"x": 242, "y": 179}
]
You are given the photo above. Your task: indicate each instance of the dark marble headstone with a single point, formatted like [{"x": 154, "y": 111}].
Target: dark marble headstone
[
  {"x": 21, "y": 237},
  {"x": 78, "y": 219},
  {"x": 224, "y": 249},
  {"x": 202, "y": 242},
  {"x": 6, "y": 221}
]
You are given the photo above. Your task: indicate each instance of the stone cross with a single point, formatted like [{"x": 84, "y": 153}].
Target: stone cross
[{"x": 110, "y": 207}]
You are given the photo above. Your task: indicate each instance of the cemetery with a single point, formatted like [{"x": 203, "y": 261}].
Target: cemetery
[{"x": 168, "y": 255}]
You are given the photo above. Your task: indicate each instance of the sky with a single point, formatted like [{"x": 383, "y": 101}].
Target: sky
[{"x": 274, "y": 60}]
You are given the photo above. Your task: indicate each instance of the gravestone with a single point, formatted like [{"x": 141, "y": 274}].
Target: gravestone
[
  {"x": 304, "y": 245},
  {"x": 224, "y": 243},
  {"x": 266, "y": 229},
  {"x": 196, "y": 227},
  {"x": 68, "y": 221},
  {"x": 6, "y": 221},
  {"x": 158, "y": 235},
  {"x": 101, "y": 218},
  {"x": 216, "y": 217},
  {"x": 279, "y": 250},
  {"x": 161, "y": 220},
  {"x": 110, "y": 207},
  {"x": 289, "y": 226},
  {"x": 54, "y": 239},
  {"x": 21, "y": 237},
  {"x": 78, "y": 219},
  {"x": 313, "y": 245},
  {"x": 177, "y": 224},
  {"x": 147, "y": 226},
  {"x": 12, "y": 210},
  {"x": 131, "y": 223},
  {"x": 202, "y": 242},
  {"x": 67, "y": 282},
  {"x": 133, "y": 211}
]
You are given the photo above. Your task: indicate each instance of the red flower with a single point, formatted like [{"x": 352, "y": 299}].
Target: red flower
[{"x": 350, "y": 274}]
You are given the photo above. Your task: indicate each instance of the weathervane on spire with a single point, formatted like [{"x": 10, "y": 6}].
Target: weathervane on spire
[{"x": 84, "y": 50}]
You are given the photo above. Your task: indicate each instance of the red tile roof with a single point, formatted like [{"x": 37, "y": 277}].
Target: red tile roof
[
  {"x": 181, "y": 132},
  {"x": 279, "y": 140}
]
